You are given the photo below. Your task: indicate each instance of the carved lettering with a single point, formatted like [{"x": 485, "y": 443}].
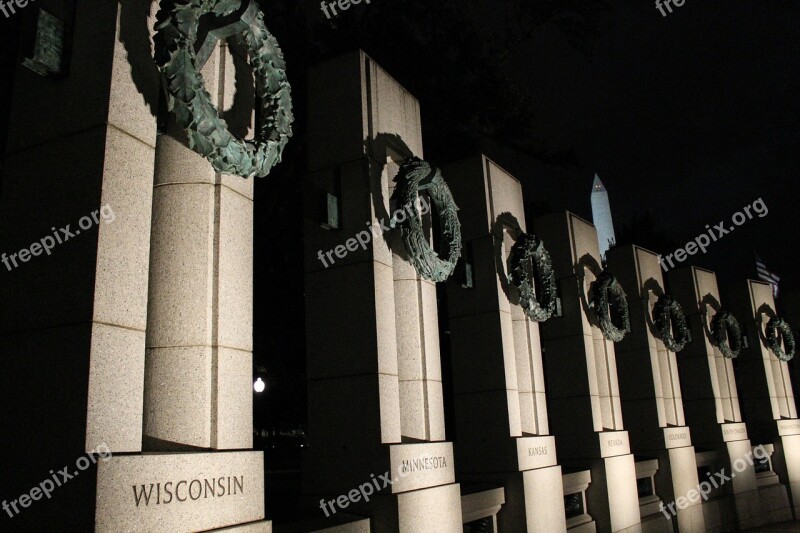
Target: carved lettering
[
  {"x": 733, "y": 431},
  {"x": 205, "y": 488},
  {"x": 538, "y": 450},
  {"x": 423, "y": 463}
]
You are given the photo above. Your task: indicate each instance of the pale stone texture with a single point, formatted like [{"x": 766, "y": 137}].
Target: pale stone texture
[
  {"x": 501, "y": 413},
  {"x": 181, "y": 506},
  {"x": 544, "y": 502},
  {"x": 711, "y": 398},
  {"x": 583, "y": 392},
  {"x": 199, "y": 336},
  {"x": 608, "y": 500},
  {"x": 373, "y": 358},
  {"x": 767, "y": 394},
  {"x": 650, "y": 386},
  {"x": 421, "y": 511},
  {"x": 114, "y": 403}
]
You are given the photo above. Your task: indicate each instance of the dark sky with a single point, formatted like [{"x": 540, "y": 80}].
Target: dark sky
[{"x": 694, "y": 115}]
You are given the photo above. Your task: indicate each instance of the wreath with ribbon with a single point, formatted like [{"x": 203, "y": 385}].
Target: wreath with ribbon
[
  {"x": 777, "y": 328},
  {"x": 668, "y": 317},
  {"x": 416, "y": 175},
  {"x": 608, "y": 296},
  {"x": 530, "y": 263},
  {"x": 187, "y": 98},
  {"x": 726, "y": 334}
]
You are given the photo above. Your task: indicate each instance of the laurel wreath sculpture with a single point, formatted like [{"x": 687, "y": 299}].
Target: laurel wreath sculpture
[
  {"x": 530, "y": 262},
  {"x": 668, "y": 316},
  {"x": 177, "y": 26},
  {"x": 726, "y": 334},
  {"x": 608, "y": 295},
  {"x": 776, "y": 328},
  {"x": 425, "y": 260}
]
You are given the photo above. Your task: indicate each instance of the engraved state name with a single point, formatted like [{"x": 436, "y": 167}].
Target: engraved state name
[
  {"x": 537, "y": 450},
  {"x": 733, "y": 431},
  {"x": 181, "y": 491},
  {"x": 423, "y": 463}
]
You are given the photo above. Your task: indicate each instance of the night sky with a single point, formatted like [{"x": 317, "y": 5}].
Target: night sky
[{"x": 693, "y": 115}]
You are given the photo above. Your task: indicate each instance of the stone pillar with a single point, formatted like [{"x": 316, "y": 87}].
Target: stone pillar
[
  {"x": 767, "y": 396},
  {"x": 375, "y": 400},
  {"x": 501, "y": 411},
  {"x": 73, "y": 316},
  {"x": 198, "y": 391},
  {"x": 710, "y": 396},
  {"x": 582, "y": 387},
  {"x": 650, "y": 387},
  {"x": 198, "y": 372}
]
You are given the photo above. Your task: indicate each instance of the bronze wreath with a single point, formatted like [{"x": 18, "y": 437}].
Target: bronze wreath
[
  {"x": 668, "y": 315},
  {"x": 726, "y": 334},
  {"x": 425, "y": 260},
  {"x": 530, "y": 262},
  {"x": 177, "y": 26},
  {"x": 778, "y": 325},
  {"x": 607, "y": 293}
]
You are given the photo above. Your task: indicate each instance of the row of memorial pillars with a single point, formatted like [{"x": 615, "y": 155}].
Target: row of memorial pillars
[
  {"x": 768, "y": 402},
  {"x": 650, "y": 387},
  {"x": 375, "y": 392},
  {"x": 711, "y": 400}
]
